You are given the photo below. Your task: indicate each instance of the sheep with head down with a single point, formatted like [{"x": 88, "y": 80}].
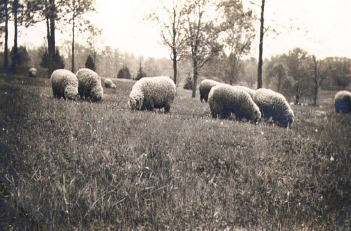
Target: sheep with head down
[
  {"x": 89, "y": 84},
  {"x": 342, "y": 102},
  {"x": 152, "y": 92},
  {"x": 64, "y": 84},
  {"x": 205, "y": 88},
  {"x": 274, "y": 105},
  {"x": 109, "y": 84},
  {"x": 225, "y": 100}
]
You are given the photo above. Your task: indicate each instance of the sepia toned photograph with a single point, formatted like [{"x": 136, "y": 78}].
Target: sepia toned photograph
[{"x": 175, "y": 115}]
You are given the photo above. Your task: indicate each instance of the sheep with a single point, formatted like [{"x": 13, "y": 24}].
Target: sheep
[
  {"x": 274, "y": 105},
  {"x": 343, "y": 102},
  {"x": 89, "y": 84},
  {"x": 64, "y": 84},
  {"x": 250, "y": 91},
  {"x": 109, "y": 84},
  {"x": 152, "y": 92},
  {"x": 205, "y": 88},
  {"x": 32, "y": 72},
  {"x": 225, "y": 99}
]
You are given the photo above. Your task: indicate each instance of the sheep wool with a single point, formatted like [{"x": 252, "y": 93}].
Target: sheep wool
[
  {"x": 64, "y": 84},
  {"x": 205, "y": 88},
  {"x": 109, "y": 84},
  {"x": 89, "y": 84},
  {"x": 343, "y": 102},
  {"x": 274, "y": 105},
  {"x": 32, "y": 72},
  {"x": 250, "y": 91},
  {"x": 225, "y": 99},
  {"x": 152, "y": 92}
]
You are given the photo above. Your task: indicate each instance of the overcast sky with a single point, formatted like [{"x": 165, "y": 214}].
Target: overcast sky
[{"x": 322, "y": 27}]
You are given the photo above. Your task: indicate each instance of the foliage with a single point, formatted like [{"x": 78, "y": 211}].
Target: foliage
[
  {"x": 141, "y": 73},
  {"x": 90, "y": 63},
  {"x": 58, "y": 61},
  {"x": 105, "y": 167},
  {"x": 189, "y": 82},
  {"x": 339, "y": 71},
  {"x": 124, "y": 73},
  {"x": 22, "y": 58}
]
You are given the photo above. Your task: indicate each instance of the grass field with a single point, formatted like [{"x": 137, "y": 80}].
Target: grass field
[{"x": 87, "y": 166}]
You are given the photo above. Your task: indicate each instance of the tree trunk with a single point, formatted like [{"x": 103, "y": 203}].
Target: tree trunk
[
  {"x": 315, "y": 82},
  {"x": 195, "y": 79},
  {"x": 6, "y": 53},
  {"x": 73, "y": 25},
  {"x": 175, "y": 66},
  {"x": 51, "y": 37},
  {"x": 297, "y": 95},
  {"x": 260, "y": 62},
  {"x": 14, "y": 55}
]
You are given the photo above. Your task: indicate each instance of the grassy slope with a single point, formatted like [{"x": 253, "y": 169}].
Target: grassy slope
[{"x": 83, "y": 164}]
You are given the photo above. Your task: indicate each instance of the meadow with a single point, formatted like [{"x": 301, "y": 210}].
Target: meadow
[{"x": 77, "y": 165}]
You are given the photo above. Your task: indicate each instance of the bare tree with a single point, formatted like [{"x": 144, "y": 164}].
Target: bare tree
[
  {"x": 92, "y": 40},
  {"x": 5, "y": 18},
  {"x": 260, "y": 62},
  {"x": 172, "y": 31}
]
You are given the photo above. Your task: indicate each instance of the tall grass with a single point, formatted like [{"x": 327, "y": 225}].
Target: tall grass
[{"x": 82, "y": 165}]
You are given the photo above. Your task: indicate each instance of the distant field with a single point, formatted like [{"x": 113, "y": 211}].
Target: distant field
[{"x": 87, "y": 166}]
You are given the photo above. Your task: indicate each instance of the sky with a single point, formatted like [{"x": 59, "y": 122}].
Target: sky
[{"x": 321, "y": 27}]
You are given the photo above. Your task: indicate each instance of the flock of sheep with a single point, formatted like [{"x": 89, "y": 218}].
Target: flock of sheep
[{"x": 159, "y": 92}]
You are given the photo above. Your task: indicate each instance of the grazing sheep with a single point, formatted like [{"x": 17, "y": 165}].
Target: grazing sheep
[
  {"x": 64, "y": 84},
  {"x": 205, "y": 88},
  {"x": 109, "y": 84},
  {"x": 274, "y": 105},
  {"x": 225, "y": 99},
  {"x": 32, "y": 72},
  {"x": 343, "y": 102},
  {"x": 89, "y": 84},
  {"x": 250, "y": 91},
  {"x": 152, "y": 92}
]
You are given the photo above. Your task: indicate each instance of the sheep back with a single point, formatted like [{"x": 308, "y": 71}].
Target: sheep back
[
  {"x": 274, "y": 105},
  {"x": 152, "y": 92},
  {"x": 64, "y": 84},
  {"x": 205, "y": 88},
  {"x": 225, "y": 99},
  {"x": 343, "y": 102},
  {"x": 32, "y": 72},
  {"x": 89, "y": 84},
  {"x": 250, "y": 91}
]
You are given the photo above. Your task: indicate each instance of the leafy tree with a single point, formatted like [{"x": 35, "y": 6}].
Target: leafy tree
[
  {"x": 171, "y": 23},
  {"x": 141, "y": 73},
  {"x": 339, "y": 71},
  {"x": 238, "y": 34},
  {"x": 90, "y": 63},
  {"x": 22, "y": 57},
  {"x": 124, "y": 73},
  {"x": 201, "y": 34}
]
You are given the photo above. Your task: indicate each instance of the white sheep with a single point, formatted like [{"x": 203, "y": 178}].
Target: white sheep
[
  {"x": 250, "y": 91},
  {"x": 225, "y": 100},
  {"x": 64, "y": 84},
  {"x": 205, "y": 88},
  {"x": 109, "y": 84},
  {"x": 342, "y": 102},
  {"x": 274, "y": 105},
  {"x": 32, "y": 72},
  {"x": 152, "y": 92},
  {"x": 89, "y": 84}
]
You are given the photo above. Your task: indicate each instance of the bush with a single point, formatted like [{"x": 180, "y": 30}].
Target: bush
[
  {"x": 90, "y": 63},
  {"x": 141, "y": 73},
  {"x": 188, "y": 83},
  {"x": 124, "y": 73},
  {"x": 57, "y": 63}
]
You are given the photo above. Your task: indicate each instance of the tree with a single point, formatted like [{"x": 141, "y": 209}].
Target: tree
[
  {"x": 172, "y": 32},
  {"x": 260, "y": 55},
  {"x": 16, "y": 7},
  {"x": 22, "y": 58},
  {"x": 339, "y": 71},
  {"x": 124, "y": 73},
  {"x": 201, "y": 37},
  {"x": 56, "y": 62},
  {"x": 5, "y": 17},
  {"x": 238, "y": 33},
  {"x": 141, "y": 73},
  {"x": 92, "y": 40},
  {"x": 90, "y": 63},
  {"x": 319, "y": 74},
  {"x": 75, "y": 9}
]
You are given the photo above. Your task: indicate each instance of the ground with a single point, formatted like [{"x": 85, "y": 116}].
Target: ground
[{"x": 82, "y": 165}]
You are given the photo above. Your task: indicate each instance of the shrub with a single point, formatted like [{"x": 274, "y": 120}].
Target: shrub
[
  {"x": 141, "y": 73},
  {"x": 58, "y": 61},
  {"x": 188, "y": 83},
  {"x": 90, "y": 63},
  {"x": 124, "y": 73}
]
